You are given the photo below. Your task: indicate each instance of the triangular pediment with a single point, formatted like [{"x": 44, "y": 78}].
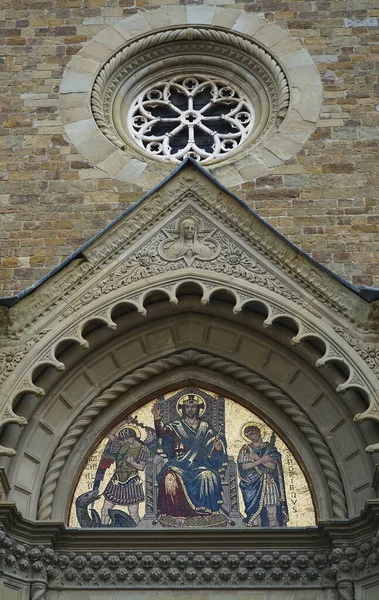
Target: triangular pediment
[
  {"x": 189, "y": 225},
  {"x": 191, "y": 239}
]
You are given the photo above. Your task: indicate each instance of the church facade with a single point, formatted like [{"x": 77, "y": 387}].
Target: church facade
[{"x": 189, "y": 401}]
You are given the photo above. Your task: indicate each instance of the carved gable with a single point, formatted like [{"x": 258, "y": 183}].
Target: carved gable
[{"x": 150, "y": 243}]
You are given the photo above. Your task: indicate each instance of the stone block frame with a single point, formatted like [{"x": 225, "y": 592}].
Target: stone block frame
[{"x": 256, "y": 160}]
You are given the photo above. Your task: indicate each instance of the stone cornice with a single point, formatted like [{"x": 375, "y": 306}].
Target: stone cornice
[
  {"x": 75, "y": 540},
  {"x": 332, "y": 555}
]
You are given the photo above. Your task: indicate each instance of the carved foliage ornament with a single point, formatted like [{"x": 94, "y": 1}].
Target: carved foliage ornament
[
  {"x": 159, "y": 569},
  {"x": 230, "y": 261},
  {"x": 191, "y": 240},
  {"x": 141, "y": 98},
  {"x": 11, "y": 357},
  {"x": 158, "y": 206},
  {"x": 369, "y": 351}
]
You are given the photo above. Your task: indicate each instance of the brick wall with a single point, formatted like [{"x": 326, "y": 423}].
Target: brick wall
[{"x": 52, "y": 200}]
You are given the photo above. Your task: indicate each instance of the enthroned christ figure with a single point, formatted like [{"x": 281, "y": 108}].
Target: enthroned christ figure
[{"x": 189, "y": 484}]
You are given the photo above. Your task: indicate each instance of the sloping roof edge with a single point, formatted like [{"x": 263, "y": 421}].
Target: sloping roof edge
[{"x": 369, "y": 294}]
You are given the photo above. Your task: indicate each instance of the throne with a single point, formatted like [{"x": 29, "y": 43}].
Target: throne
[{"x": 214, "y": 414}]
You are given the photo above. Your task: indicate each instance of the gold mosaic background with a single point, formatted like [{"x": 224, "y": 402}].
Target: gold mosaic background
[{"x": 299, "y": 499}]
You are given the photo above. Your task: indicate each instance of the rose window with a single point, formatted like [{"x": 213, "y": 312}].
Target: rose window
[
  {"x": 195, "y": 115},
  {"x": 194, "y": 92}
]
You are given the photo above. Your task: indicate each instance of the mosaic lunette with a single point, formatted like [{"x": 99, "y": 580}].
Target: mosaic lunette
[{"x": 191, "y": 458}]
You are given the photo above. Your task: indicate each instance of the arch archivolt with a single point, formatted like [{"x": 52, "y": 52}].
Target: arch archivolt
[
  {"x": 68, "y": 326},
  {"x": 206, "y": 362},
  {"x": 157, "y": 352}
]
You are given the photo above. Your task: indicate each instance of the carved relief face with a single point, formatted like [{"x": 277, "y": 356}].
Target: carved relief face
[
  {"x": 189, "y": 240},
  {"x": 188, "y": 229}
]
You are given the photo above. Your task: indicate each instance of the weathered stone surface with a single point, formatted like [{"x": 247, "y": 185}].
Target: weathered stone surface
[
  {"x": 112, "y": 41},
  {"x": 81, "y": 64},
  {"x": 132, "y": 171},
  {"x": 200, "y": 14},
  {"x": 270, "y": 35},
  {"x": 75, "y": 82},
  {"x": 249, "y": 24}
]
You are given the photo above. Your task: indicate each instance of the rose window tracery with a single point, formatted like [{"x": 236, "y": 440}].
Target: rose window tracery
[
  {"x": 194, "y": 92},
  {"x": 194, "y": 115}
]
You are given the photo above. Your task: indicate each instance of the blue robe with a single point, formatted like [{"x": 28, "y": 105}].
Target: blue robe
[
  {"x": 253, "y": 485},
  {"x": 194, "y": 460}
]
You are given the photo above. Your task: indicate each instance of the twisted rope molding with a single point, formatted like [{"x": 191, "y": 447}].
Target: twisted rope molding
[
  {"x": 103, "y": 79},
  {"x": 297, "y": 416},
  {"x": 345, "y": 590},
  {"x": 38, "y": 591},
  {"x": 215, "y": 364}
]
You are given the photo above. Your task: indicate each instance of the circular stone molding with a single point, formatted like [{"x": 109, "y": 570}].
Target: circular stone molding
[
  {"x": 108, "y": 84},
  {"x": 177, "y": 70}
]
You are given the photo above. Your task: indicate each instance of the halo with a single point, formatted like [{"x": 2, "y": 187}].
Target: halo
[
  {"x": 198, "y": 399},
  {"x": 252, "y": 424},
  {"x": 189, "y": 218},
  {"x": 137, "y": 431}
]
